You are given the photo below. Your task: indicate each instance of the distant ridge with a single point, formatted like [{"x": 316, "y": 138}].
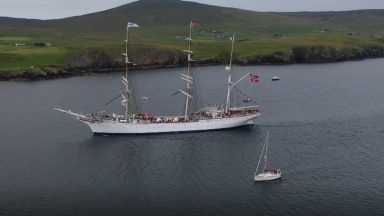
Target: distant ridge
[
  {"x": 11, "y": 22},
  {"x": 177, "y": 13}
]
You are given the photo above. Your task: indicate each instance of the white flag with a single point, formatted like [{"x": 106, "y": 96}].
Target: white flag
[{"x": 132, "y": 25}]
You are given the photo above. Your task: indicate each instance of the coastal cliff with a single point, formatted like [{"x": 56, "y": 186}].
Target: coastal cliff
[
  {"x": 315, "y": 54},
  {"x": 98, "y": 61}
]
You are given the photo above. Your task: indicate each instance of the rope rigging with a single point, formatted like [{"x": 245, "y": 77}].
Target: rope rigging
[{"x": 247, "y": 98}]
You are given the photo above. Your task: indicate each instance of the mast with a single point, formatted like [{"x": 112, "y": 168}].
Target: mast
[
  {"x": 127, "y": 92},
  {"x": 266, "y": 153},
  {"x": 229, "y": 69},
  {"x": 189, "y": 74},
  {"x": 262, "y": 151}
]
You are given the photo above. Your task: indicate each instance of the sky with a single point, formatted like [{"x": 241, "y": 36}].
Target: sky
[{"x": 53, "y": 9}]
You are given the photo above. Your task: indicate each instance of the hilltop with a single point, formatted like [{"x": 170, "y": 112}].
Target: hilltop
[{"x": 262, "y": 37}]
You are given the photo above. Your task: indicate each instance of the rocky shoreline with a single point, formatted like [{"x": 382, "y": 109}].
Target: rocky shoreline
[
  {"x": 316, "y": 54},
  {"x": 97, "y": 61}
]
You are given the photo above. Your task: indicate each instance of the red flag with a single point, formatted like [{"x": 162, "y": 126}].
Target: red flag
[
  {"x": 254, "y": 78},
  {"x": 194, "y": 24}
]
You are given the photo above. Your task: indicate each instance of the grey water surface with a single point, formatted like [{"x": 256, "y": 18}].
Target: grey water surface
[{"x": 327, "y": 135}]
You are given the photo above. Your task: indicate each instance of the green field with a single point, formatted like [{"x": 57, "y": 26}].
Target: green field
[{"x": 257, "y": 34}]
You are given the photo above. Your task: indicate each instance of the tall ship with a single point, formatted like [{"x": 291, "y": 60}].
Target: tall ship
[{"x": 195, "y": 119}]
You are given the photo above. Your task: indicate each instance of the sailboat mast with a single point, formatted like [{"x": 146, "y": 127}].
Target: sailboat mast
[
  {"x": 266, "y": 152},
  {"x": 261, "y": 154},
  {"x": 229, "y": 69},
  {"x": 189, "y": 72}
]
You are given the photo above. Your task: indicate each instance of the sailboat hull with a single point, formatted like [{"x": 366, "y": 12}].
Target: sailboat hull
[
  {"x": 111, "y": 127},
  {"x": 263, "y": 177}
]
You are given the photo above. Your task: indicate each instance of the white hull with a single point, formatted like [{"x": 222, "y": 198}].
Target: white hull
[
  {"x": 262, "y": 177},
  {"x": 116, "y": 127}
]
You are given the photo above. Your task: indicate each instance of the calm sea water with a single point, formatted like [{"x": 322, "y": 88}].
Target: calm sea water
[{"x": 327, "y": 135}]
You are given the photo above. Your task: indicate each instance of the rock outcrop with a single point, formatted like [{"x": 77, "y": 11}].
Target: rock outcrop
[
  {"x": 315, "y": 54},
  {"x": 91, "y": 59},
  {"x": 158, "y": 57}
]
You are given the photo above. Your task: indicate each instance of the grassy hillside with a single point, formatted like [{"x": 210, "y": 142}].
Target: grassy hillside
[{"x": 162, "y": 21}]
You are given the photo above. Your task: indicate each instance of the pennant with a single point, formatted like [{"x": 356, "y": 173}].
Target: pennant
[
  {"x": 194, "y": 24},
  {"x": 132, "y": 25},
  {"x": 254, "y": 78}
]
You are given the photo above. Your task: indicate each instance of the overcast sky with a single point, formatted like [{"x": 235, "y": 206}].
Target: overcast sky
[{"x": 49, "y": 9}]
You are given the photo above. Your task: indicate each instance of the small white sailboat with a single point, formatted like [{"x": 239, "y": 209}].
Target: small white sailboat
[
  {"x": 269, "y": 173},
  {"x": 275, "y": 78}
]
